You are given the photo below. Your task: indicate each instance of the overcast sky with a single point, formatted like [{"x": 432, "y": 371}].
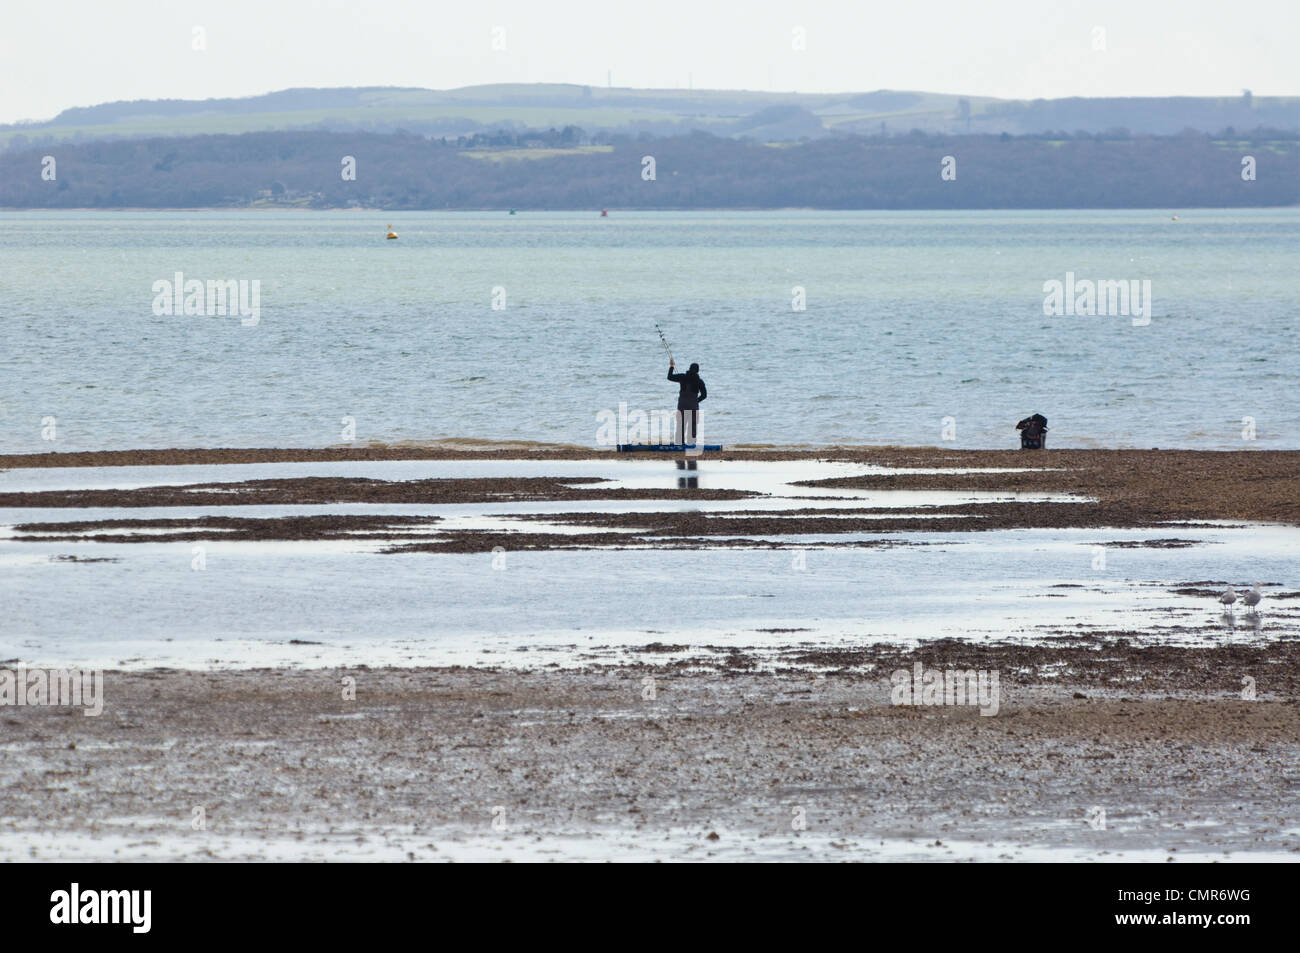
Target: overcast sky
[{"x": 60, "y": 53}]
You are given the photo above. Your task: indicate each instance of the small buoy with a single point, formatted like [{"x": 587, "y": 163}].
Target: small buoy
[
  {"x": 512, "y": 211},
  {"x": 604, "y": 213},
  {"x": 391, "y": 233},
  {"x": 1175, "y": 218}
]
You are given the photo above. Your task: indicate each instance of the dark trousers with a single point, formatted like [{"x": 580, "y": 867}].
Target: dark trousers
[{"x": 688, "y": 422}]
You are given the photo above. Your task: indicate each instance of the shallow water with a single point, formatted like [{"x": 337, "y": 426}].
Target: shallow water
[
  {"x": 439, "y": 609},
  {"x": 149, "y": 606}
]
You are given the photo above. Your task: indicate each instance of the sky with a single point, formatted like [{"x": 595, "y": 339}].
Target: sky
[{"x": 60, "y": 53}]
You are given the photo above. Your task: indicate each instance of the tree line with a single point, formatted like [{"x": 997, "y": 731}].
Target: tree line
[{"x": 405, "y": 171}]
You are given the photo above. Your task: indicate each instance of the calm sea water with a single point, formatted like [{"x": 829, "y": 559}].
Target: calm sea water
[{"x": 910, "y": 318}]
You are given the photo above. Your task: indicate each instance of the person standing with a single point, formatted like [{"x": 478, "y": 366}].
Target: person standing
[{"x": 691, "y": 392}]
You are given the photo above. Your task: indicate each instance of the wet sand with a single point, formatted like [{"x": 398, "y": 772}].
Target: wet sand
[
  {"x": 324, "y": 490},
  {"x": 1119, "y": 488},
  {"x": 732, "y": 742},
  {"x": 424, "y": 760}
]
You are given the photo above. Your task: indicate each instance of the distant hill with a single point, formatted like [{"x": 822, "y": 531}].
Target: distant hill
[
  {"x": 763, "y": 116},
  {"x": 563, "y": 170}
]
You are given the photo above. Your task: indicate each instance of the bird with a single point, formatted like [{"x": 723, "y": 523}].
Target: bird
[
  {"x": 1228, "y": 598},
  {"x": 1251, "y": 597}
]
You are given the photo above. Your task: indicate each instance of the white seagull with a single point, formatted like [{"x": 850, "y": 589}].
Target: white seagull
[
  {"x": 1228, "y": 598},
  {"x": 1251, "y": 597}
]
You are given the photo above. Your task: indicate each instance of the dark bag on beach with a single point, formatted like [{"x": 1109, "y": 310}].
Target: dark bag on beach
[{"x": 1033, "y": 432}]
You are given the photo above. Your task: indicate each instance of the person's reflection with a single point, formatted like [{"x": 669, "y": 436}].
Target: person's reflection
[{"x": 688, "y": 482}]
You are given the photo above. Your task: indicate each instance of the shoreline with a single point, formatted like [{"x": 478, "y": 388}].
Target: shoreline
[
  {"x": 454, "y": 448},
  {"x": 632, "y": 208}
]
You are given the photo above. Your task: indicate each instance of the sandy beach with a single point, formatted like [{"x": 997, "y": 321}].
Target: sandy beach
[
  {"x": 1160, "y": 734},
  {"x": 1121, "y": 488},
  {"x": 1098, "y": 752}
]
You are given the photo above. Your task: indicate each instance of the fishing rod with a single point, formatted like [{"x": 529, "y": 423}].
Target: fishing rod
[{"x": 664, "y": 341}]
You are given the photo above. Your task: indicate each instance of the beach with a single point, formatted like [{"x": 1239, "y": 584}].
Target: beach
[
  {"x": 1123, "y": 487},
  {"x": 506, "y": 652},
  {"x": 1166, "y": 763}
]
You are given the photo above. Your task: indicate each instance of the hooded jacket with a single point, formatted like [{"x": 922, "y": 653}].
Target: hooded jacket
[{"x": 692, "y": 389}]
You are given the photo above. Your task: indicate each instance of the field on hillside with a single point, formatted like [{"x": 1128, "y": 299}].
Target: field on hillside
[{"x": 452, "y": 112}]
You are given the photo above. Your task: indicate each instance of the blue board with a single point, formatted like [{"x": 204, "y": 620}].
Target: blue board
[{"x": 671, "y": 447}]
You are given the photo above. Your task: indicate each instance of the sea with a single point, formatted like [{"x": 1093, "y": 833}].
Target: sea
[{"x": 926, "y": 328}]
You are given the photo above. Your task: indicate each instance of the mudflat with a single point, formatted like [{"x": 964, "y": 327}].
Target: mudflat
[
  {"x": 1101, "y": 744},
  {"x": 1119, "y": 488},
  {"x": 1097, "y": 747}
]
